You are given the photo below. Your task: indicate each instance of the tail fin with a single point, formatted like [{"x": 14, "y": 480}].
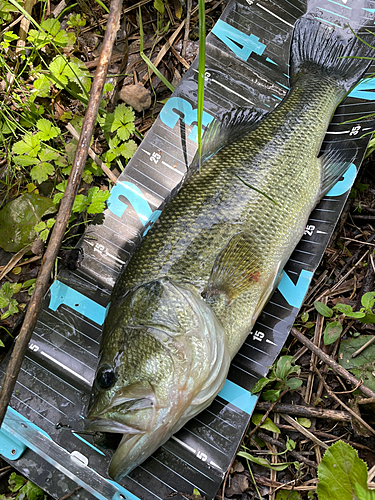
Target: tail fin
[{"x": 319, "y": 50}]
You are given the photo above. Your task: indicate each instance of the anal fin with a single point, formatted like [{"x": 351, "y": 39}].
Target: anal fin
[{"x": 336, "y": 160}]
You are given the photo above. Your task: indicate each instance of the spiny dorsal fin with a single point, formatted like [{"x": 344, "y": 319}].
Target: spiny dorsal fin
[
  {"x": 235, "y": 269},
  {"x": 335, "y": 162},
  {"x": 229, "y": 127}
]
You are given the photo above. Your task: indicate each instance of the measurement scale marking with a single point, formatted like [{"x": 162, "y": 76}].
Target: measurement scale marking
[
  {"x": 200, "y": 438},
  {"x": 63, "y": 323},
  {"x": 30, "y": 375},
  {"x": 44, "y": 340},
  {"x": 158, "y": 478},
  {"x": 226, "y": 88},
  {"x": 274, "y": 15},
  {"x": 174, "y": 471},
  {"x": 83, "y": 334},
  {"x": 172, "y": 181},
  {"x": 80, "y": 348},
  {"x": 66, "y": 368},
  {"x": 40, "y": 397},
  {"x": 32, "y": 409}
]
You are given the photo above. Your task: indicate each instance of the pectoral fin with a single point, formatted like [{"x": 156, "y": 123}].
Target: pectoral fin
[{"x": 236, "y": 268}]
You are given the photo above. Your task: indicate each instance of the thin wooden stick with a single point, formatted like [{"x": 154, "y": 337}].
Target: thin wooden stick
[
  {"x": 305, "y": 411},
  {"x": 332, "y": 364},
  {"x": 59, "y": 228},
  {"x": 95, "y": 158},
  {"x": 333, "y": 395}
]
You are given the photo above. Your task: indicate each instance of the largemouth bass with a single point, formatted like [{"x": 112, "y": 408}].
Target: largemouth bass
[{"x": 191, "y": 293}]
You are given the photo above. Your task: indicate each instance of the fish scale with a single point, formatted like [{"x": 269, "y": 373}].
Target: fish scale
[{"x": 219, "y": 248}]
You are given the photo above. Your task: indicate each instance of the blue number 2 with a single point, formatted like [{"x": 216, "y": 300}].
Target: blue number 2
[{"x": 137, "y": 199}]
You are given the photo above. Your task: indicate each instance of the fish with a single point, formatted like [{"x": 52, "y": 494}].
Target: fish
[{"x": 188, "y": 298}]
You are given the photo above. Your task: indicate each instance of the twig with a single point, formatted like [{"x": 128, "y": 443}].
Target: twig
[
  {"x": 59, "y": 228},
  {"x": 263, "y": 419},
  {"x": 332, "y": 364},
  {"x": 282, "y": 445},
  {"x": 304, "y": 431},
  {"x": 70, "y": 493},
  {"x": 317, "y": 338},
  {"x": 14, "y": 261},
  {"x": 163, "y": 51},
  {"x": 96, "y": 158},
  {"x": 306, "y": 411},
  {"x": 358, "y": 351},
  {"x": 333, "y": 395},
  {"x": 187, "y": 29}
]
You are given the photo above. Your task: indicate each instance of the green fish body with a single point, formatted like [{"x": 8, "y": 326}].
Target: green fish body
[{"x": 191, "y": 293}]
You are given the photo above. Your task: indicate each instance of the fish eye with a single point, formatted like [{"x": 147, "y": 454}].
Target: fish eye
[{"x": 105, "y": 377}]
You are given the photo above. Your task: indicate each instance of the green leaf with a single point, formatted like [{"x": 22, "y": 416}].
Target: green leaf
[
  {"x": 47, "y": 130},
  {"x": 40, "y": 226},
  {"x": 288, "y": 495},
  {"x": 42, "y": 86},
  {"x": 127, "y": 149},
  {"x": 332, "y": 332},
  {"x": 305, "y": 422},
  {"x": 364, "y": 494},
  {"x": 16, "y": 482},
  {"x": 32, "y": 492},
  {"x": 323, "y": 309},
  {"x": 159, "y": 6},
  {"x": 80, "y": 203},
  {"x": 18, "y": 218},
  {"x": 96, "y": 197},
  {"x": 304, "y": 317},
  {"x": 340, "y": 472},
  {"x": 271, "y": 395},
  {"x": 293, "y": 383},
  {"x": 51, "y": 25},
  {"x": 290, "y": 444},
  {"x": 58, "y": 67},
  {"x": 64, "y": 39},
  {"x": 368, "y": 318},
  {"x": 264, "y": 462},
  {"x": 41, "y": 172},
  {"x": 25, "y": 161},
  {"x": 343, "y": 308},
  {"x": 363, "y": 365},
  {"x": 30, "y": 145},
  {"x": 263, "y": 382},
  {"x": 284, "y": 367},
  {"x": 267, "y": 424},
  {"x": 368, "y": 300},
  {"x": 28, "y": 283}
]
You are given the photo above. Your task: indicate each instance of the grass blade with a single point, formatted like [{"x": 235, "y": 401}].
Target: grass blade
[{"x": 201, "y": 74}]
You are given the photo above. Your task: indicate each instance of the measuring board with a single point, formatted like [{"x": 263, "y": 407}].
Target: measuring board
[{"x": 247, "y": 59}]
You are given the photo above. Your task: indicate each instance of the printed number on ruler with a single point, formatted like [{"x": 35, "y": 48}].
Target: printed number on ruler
[
  {"x": 175, "y": 107},
  {"x": 33, "y": 347},
  {"x": 257, "y": 335},
  {"x": 137, "y": 199},
  {"x": 309, "y": 230},
  {"x": 155, "y": 157},
  {"x": 232, "y": 37}
]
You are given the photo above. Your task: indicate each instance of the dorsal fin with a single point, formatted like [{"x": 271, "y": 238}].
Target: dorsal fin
[
  {"x": 235, "y": 268},
  {"x": 335, "y": 162},
  {"x": 231, "y": 126}
]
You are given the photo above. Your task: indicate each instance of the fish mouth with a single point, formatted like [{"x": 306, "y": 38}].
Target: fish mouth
[{"x": 97, "y": 424}]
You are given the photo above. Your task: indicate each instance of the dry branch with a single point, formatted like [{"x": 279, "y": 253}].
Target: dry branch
[{"x": 332, "y": 364}]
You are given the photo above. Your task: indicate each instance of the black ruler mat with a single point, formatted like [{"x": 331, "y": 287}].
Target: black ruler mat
[{"x": 246, "y": 65}]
